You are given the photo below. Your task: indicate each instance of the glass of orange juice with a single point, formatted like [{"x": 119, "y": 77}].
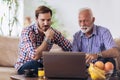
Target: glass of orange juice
[{"x": 41, "y": 72}]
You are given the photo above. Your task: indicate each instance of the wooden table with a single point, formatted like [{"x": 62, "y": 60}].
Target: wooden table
[{"x": 22, "y": 77}]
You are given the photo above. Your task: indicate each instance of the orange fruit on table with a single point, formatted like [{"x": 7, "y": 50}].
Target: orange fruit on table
[
  {"x": 108, "y": 66},
  {"x": 100, "y": 65}
]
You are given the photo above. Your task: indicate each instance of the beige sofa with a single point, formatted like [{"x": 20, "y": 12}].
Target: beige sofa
[{"x": 8, "y": 56}]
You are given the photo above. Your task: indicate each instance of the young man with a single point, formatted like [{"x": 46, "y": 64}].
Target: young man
[
  {"x": 96, "y": 41},
  {"x": 37, "y": 38}
]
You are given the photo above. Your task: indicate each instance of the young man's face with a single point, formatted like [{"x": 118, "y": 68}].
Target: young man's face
[{"x": 44, "y": 21}]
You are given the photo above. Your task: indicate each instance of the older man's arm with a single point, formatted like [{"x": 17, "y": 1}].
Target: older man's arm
[
  {"x": 110, "y": 53},
  {"x": 113, "y": 52}
]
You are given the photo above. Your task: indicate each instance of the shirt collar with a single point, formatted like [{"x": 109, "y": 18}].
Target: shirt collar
[
  {"x": 35, "y": 26},
  {"x": 94, "y": 30},
  {"x": 36, "y": 29}
]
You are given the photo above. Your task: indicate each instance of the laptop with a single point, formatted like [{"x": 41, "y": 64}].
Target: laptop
[{"x": 65, "y": 65}]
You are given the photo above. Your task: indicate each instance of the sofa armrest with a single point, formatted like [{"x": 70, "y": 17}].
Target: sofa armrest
[{"x": 55, "y": 48}]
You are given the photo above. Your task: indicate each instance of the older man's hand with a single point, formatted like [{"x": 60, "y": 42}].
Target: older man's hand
[{"x": 91, "y": 57}]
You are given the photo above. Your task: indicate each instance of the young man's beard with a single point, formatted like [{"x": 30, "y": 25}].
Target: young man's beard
[{"x": 44, "y": 28}]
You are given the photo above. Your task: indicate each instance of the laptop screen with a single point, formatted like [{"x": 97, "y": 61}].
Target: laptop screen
[{"x": 64, "y": 65}]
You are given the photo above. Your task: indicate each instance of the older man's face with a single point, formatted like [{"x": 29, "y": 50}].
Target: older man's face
[{"x": 85, "y": 21}]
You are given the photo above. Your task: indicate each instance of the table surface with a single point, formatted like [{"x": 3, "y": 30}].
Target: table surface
[{"x": 22, "y": 77}]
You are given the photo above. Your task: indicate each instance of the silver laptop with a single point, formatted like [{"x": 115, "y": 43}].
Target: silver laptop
[{"x": 66, "y": 65}]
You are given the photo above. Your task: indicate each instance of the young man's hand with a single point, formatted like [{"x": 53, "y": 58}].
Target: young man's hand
[{"x": 49, "y": 33}]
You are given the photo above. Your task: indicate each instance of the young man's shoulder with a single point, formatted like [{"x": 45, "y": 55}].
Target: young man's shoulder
[
  {"x": 31, "y": 28},
  {"x": 56, "y": 31}
]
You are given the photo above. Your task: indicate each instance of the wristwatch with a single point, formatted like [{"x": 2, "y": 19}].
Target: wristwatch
[
  {"x": 99, "y": 55},
  {"x": 48, "y": 41}
]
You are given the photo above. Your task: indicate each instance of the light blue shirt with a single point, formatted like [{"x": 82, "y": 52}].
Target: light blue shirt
[{"x": 100, "y": 40}]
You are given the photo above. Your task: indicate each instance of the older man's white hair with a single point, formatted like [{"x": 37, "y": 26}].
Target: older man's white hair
[{"x": 86, "y": 9}]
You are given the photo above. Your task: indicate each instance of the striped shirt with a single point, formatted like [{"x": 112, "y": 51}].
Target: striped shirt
[
  {"x": 31, "y": 38},
  {"x": 100, "y": 40}
]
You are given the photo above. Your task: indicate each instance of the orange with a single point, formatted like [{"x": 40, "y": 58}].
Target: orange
[
  {"x": 100, "y": 65},
  {"x": 109, "y": 66}
]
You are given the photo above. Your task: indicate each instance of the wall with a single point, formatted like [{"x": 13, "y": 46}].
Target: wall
[{"x": 106, "y": 13}]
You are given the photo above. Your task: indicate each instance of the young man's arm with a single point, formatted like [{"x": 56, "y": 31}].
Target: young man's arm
[
  {"x": 43, "y": 47},
  {"x": 62, "y": 41}
]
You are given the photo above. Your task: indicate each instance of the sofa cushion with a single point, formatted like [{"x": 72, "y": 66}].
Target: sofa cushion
[
  {"x": 8, "y": 51},
  {"x": 55, "y": 48}
]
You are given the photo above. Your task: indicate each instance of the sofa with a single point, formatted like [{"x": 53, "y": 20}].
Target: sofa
[{"x": 8, "y": 56}]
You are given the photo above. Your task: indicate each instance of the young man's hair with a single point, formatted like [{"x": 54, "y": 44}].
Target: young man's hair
[{"x": 42, "y": 9}]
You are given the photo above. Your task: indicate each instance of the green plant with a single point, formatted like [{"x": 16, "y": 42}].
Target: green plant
[
  {"x": 1, "y": 21},
  {"x": 11, "y": 16}
]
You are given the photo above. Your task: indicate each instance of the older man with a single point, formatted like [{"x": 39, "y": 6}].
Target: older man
[{"x": 96, "y": 41}]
